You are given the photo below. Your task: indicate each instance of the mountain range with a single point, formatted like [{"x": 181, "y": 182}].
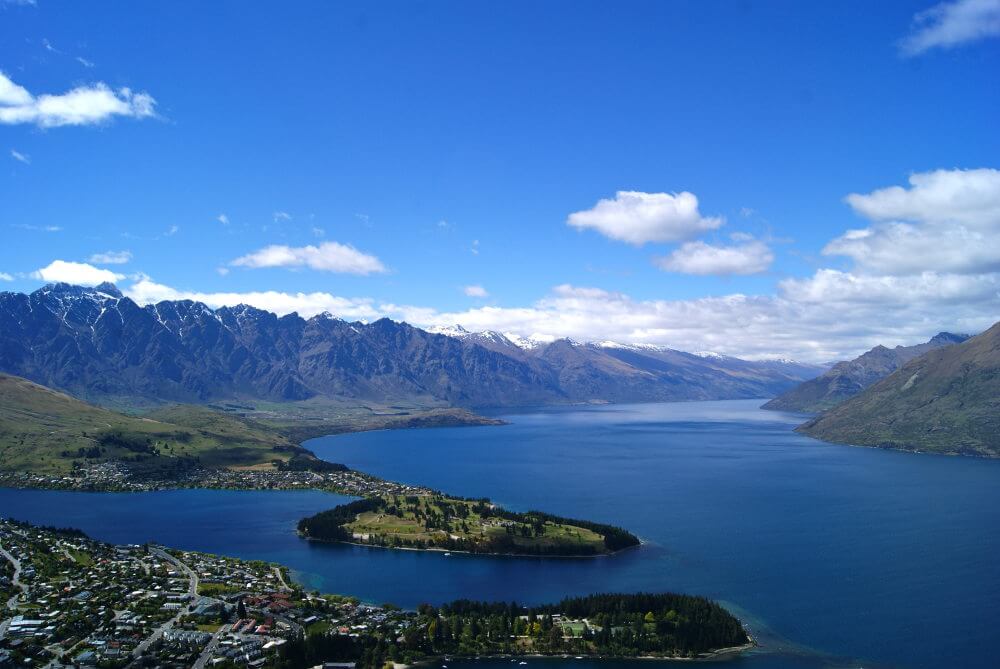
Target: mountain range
[
  {"x": 98, "y": 344},
  {"x": 846, "y": 379},
  {"x": 946, "y": 400}
]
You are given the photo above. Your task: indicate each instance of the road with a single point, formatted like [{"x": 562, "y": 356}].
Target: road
[
  {"x": 281, "y": 579},
  {"x": 12, "y": 602},
  {"x": 192, "y": 590},
  {"x": 206, "y": 654}
]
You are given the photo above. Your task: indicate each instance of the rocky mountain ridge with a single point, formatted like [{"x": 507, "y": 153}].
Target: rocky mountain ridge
[
  {"x": 946, "y": 401},
  {"x": 850, "y": 377},
  {"x": 97, "y": 343}
]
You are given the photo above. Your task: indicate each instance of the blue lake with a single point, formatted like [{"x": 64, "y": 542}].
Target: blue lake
[{"x": 836, "y": 556}]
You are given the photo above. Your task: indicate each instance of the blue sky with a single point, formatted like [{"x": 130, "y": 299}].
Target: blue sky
[{"x": 425, "y": 161}]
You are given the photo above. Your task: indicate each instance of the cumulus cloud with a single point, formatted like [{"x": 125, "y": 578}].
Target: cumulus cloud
[
  {"x": 83, "y": 105},
  {"x": 968, "y": 197},
  {"x": 637, "y": 218},
  {"x": 327, "y": 257},
  {"x": 281, "y": 216},
  {"x": 111, "y": 258},
  {"x": 222, "y": 218},
  {"x": 147, "y": 291},
  {"x": 823, "y": 318},
  {"x": 6, "y": 277},
  {"x": 475, "y": 291},
  {"x": 751, "y": 256},
  {"x": 951, "y": 24},
  {"x": 20, "y": 157},
  {"x": 75, "y": 272},
  {"x": 946, "y": 221}
]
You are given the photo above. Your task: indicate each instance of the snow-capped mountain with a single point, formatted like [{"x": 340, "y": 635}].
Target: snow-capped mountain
[{"x": 97, "y": 343}]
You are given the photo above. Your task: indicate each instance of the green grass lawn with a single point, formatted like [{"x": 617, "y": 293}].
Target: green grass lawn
[{"x": 406, "y": 519}]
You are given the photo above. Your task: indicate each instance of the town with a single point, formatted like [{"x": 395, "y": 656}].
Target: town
[
  {"x": 72, "y": 601},
  {"x": 115, "y": 476}
]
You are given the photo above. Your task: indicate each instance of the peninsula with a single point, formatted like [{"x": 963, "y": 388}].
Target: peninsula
[
  {"x": 437, "y": 522},
  {"x": 51, "y": 440}
]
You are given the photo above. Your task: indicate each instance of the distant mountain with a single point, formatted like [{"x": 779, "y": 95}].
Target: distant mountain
[
  {"x": 97, "y": 344},
  {"x": 846, "y": 379},
  {"x": 945, "y": 401}
]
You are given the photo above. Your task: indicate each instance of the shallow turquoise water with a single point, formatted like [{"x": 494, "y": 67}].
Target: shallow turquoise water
[{"x": 836, "y": 556}]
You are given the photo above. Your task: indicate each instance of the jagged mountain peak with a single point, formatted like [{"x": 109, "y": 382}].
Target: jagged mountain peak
[
  {"x": 91, "y": 343},
  {"x": 108, "y": 288}
]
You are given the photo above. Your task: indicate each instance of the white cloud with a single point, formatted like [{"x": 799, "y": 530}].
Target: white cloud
[
  {"x": 475, "y": 291},
  {"x": 282, "y": 216},
  {"x": 111, "y": 258},
  {"x": 951, "y": 24},
  {"x": 222, "y": 218},
  {"x": 318, "y": 232},
  {"x": 147, "y": 291},
  {"x": 20, "y": 157},
  {"x": 83, "y": 61},
  {"x": 41, "y": 228},
  {"x": 64, "y": 271},
  {"x": 638, "y": 218},
  {"x": 6, "y": 277},
  {"x": 327, "y": 257},
  {"x": 829, "y": 316},
  {"x": 828, "y": 287},
  {"x": 12, "y": 95},
  {"x": 969, "y": 197},
  {"x": 84, "y": 105},
  {"x": 172, "y": 230},
  {"x": 222, "y": 271},
  {"x": 947, "y": 221},
  {"x": 475, "y": 247},
  {"x": 750, "y": 257}
]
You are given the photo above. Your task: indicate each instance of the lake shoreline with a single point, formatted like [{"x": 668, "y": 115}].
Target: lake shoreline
[
  {"x": 473, "y": 553},
  {"x": 719, "y": 655}
]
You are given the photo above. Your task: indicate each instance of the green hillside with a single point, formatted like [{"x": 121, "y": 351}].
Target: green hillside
[
  {"x": 45, "y": 431},
  {"x": 945, "y": 401}
]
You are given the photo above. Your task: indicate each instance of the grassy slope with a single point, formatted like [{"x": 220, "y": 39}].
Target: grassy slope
[
  {"x": 946, "y": 401},
  {"x": 37, "y": 425},
  {"x": 318, "y": 417}
]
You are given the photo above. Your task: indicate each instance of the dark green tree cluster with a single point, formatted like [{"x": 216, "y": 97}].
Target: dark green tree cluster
[
  {"x": 130, "y": 442},
  {"x": 305, "y": 463},
  {"x": 618, "y": 625},
  {"x": 329, "y": 525}
]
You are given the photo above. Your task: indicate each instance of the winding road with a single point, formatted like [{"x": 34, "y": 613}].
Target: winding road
[{"x": 16, "y": 580}]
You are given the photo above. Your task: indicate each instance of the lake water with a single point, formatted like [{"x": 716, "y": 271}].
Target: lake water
[{"x": 836, "y": 556}]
